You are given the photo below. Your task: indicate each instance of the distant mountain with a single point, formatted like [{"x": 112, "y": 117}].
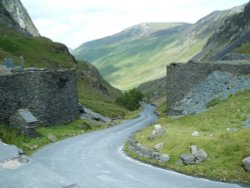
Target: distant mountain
[
  {"x": 141, "y": 53},
  {"x": 14, "y": 15}
]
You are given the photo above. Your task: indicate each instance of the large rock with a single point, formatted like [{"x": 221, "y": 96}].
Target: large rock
[
  {"x": 164, "y": 158},
  {"x": 195, "y": 157},
  {"x": 188, "y": 159},
  {"x": 52, "y": 138},
  {"x": 246, "y": 163},
  {"x": 158, "y": 146},
  {"x": 157, "y": 131}
]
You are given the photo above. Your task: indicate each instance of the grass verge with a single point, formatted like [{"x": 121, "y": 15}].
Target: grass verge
[
  {"x": 222, "y": 136},
  {"x": 29, "y": 145}
]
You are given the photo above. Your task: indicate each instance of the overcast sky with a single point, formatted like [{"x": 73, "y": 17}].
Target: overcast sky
[{"x": 73, "y": 22}]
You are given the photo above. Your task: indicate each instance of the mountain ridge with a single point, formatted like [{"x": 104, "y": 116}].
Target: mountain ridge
[{"x": 128, "y": 59}]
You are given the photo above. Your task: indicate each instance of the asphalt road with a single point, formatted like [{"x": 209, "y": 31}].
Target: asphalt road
[{"x": 95, "y": 160}]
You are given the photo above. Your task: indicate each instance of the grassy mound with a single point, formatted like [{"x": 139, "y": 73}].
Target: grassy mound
[
  {"x": 222, "y": 136},
  {"x": 37, "y": 51}
]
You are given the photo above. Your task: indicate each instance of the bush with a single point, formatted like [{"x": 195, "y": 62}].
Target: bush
[{"x": 130, "y": 100}]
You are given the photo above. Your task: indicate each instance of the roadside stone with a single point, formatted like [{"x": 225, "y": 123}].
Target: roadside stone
[
  {"x": 157, "y": 131},
  {"x": 164, "y": 158},
  {"x": 158, "y": 146},
  {"x": 144, "y": 152},
  {"x": 200, "y": 156},
  {"x": 246, "y": 163},
  {"x": 52, "y": 138},
  {"x": 195, "y": 157},
  {"x": 195, "y": 134},
  {"x": 188, "y": 159}
]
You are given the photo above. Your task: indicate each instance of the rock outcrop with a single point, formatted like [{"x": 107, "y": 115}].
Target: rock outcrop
[{"x": 14, "y": 15}]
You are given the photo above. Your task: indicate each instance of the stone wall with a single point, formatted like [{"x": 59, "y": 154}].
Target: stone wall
[
  {"x": 50, "y": 95},
  {"x": 182, "y": 79}
]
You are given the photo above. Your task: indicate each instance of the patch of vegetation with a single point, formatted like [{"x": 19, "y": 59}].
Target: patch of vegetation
[
  {"x": 213, "y": 102},
  {"x": 11, "y": 136},
  {"x": 244, "y": 48},
  {"x": 222, "y": 136},
  {"x": 99, "y": 102},
  {"x": 130, "y": 99}
]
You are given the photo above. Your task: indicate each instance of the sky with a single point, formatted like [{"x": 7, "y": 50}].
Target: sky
[{"x": 74, "y": 22}]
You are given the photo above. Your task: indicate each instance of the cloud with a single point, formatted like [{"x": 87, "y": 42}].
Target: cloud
[{"x": 76, "y": 21}]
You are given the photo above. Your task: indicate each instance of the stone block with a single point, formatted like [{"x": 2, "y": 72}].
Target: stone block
[{"x": 25, "y": 121}]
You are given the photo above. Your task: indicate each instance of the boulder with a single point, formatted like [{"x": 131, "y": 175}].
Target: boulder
[
  {"x": 195, "y": 134},
  {"x": 52, "y": 138},
  {"x": 195, "y": 157},
  {"x": 157, "y": 131},
  {"x": 158, "y": 146},
  {"x": 200, "y": 156},
  {"x": 188, "y": 159},
  {"x": 246, "y": 163},
  {"x": 164, "y": 158}
]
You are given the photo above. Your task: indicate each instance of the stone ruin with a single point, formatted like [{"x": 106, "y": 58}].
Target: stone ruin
[
  {"x": 191, "y": 86},
  {"x": 32, "y": 96}
]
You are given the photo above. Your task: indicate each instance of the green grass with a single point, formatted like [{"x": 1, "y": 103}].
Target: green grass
[
  {"x": 244, "y": 49},
  {"x": 99, "y": 102},
  {"x": 29, "y": 145},
  {"x": 225, "y": 149}
]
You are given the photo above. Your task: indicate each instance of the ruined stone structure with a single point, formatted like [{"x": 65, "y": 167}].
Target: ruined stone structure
[
  {"x": 48, "y": 95},
  {"x": 192, "y": 85}
]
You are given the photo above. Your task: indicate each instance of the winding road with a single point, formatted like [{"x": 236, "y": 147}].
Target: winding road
[{"x": 95, "y": 160}]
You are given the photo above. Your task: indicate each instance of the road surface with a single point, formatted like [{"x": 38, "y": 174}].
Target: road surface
[{"x": 95, "y": 160}]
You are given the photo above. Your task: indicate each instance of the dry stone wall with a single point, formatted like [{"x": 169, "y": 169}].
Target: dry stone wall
[
  {"x": 49, "y": 95},
  {"x": 192, "y": 85}
]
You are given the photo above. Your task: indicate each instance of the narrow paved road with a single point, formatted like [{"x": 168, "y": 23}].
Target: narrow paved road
[{"x": 95, "y": 160}]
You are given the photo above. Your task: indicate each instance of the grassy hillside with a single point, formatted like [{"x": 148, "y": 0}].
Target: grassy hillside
[
  {"x": 96, "y": 93},
  {"x": 127, "y": 62},
  {"x": 37, "y": 51},
  {"x": 141, "y": 53},
  {"x": 222, "y": 136}
]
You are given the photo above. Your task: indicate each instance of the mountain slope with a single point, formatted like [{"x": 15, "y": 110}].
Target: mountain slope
[
  {"x": 140, "y": 53},
  {"x": 14, "y": 15},
  {"x": 115, "y": 56},
  {"x": 233, "y": 34}
]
